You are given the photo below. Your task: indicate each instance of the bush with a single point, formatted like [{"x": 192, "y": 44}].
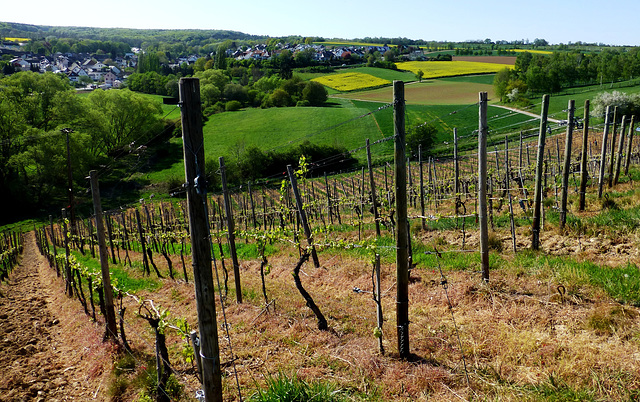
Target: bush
[
  {"x": 232, "y": 106},
  {"x": 315, "y": 93},
  {"x": 303, "y": 103},
  {"x": 424, "y": 135}
]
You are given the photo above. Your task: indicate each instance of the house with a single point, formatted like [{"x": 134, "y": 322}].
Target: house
[
  {"x": 110, "y": 78},
  {"x": 75, "y": 74},
  {"x": 20, "y": 64}
]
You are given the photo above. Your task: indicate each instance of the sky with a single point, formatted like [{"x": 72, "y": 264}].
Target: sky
[{"x": 614, "y": 22}]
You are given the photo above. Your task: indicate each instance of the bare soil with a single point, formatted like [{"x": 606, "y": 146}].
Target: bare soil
[{"x": 49, "y": 350}]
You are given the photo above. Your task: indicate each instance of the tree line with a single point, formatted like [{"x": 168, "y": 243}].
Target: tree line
[
  {"x": 540, "y": 73},
  {"x": 38, "y": 112}
]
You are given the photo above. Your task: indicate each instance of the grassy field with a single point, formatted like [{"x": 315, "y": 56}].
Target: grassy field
[
  {"x": 429, "y": 92},
  {"x": 558, "y": 102},
  {"x": 226, "y": 134}
]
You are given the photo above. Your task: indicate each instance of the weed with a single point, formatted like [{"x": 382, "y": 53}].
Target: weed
[
  {"x": 291, "y": 389},
  {"x": 494, "y": 242}
]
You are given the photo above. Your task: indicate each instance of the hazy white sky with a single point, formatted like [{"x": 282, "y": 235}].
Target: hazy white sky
[{"x": 615, "y": 22}]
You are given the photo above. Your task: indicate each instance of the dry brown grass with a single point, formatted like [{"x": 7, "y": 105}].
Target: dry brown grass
[{"x": 517, "y": 332}]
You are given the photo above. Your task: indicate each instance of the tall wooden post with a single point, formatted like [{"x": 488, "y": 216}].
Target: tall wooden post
[
  {"x": 67, "y": 266},
  {"x": 584, "y": 173},
  {"x": 53, "y": 242},
  {"x": 623, "y": 129},
  {"x": 303, "y": 215},
  {"x": 629, "y": 145},
  {"x": 483, "y": 130},
  {"x": 372, "y": 185},
  {"x": 612, "y": 150},
  {"x": 110, "y": 314},
  {"x": 456, "y": 170},
  {"x": 231, "y": 236},
  {"x": 402, "y": 239},
  {"x": 537, "y": 198},
  {"x": 603, "y": 154},
  {"x": 421, "y": 172},
  {"x": 200, "y": 238},
  {"x": 507, "y": 175},
  {"x": 567, "y": 165},
  {"x": 253, "y": 207}
]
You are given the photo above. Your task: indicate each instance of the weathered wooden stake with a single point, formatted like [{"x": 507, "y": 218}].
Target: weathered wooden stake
[
  {"x": 603, "y": 155},
  {"x": 402, "y": 247},
  {"x": 200, "y": 238},
  {"x": 483, "y": 130},
  {"x": 67, "y": 265},
  {"x": 623, "y": 129},
  {"x": 372, "y": 185},
  {"x": 456, "y": 171},
  {"x": 567, "y": 165},
  {"x": 629, "y": 145},
  {"x": 537, "y": 200},
  {"x": 612, "y": 150},
  {"x": 421, "y": 173},
  {"x": 584, "y": 173},
  {"x": 110, "y": 316},
  {"x": 231, "y": 236},
  {"x": 507, "y": 178}
]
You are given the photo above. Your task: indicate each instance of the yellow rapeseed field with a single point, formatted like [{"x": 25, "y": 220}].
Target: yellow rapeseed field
[
  {"x": 351, "y": 81},
  {"x": 17, "y": 39},
  {"x": 436, "y": 69},
  {"x": 530, "y": 51}
]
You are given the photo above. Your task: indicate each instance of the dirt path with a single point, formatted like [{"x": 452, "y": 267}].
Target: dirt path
[
  {"x": 49, "y": 350},
  {"x": 525, "y": 113}
]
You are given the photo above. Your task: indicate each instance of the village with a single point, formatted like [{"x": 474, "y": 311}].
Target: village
[{"x": 101, "y": 71}]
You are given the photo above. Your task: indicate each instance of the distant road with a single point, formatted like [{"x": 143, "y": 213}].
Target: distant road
[{"x": 526, "y": 113}]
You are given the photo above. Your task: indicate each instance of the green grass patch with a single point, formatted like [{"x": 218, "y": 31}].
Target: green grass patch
[
  {"x": 120, "y": 276},
  {"x": 621, "y": 283},
  {"x": 282, "y": 388}
]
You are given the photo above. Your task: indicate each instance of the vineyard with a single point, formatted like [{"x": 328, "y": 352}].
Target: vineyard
[{"x": 304, "y": 270}]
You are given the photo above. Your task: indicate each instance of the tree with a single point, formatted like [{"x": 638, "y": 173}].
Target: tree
[
  {"x": 425, "y": 135},
  {"x": 419, "y": 75},
  {"x": 221, "y": 57},
  {"x": 315, "y": 93},
  {"x": 122, "y": 117}
]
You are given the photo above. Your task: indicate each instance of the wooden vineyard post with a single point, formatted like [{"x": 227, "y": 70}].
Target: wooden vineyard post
[
  {"x": 303, "y": 215},
  {"x": 372, "y": 184},
  {"x": 200, "y": 238},
  {"x": 482, "y": 186},
  {"x": 231, "y": 236},
  {"x": 110, "y": 315},
  {"x": 629, "y": 145},
  {"x": 67, "y": 266},
  {"x": 584, "y": 160},
  {"x": 537, "y": 198},
  {"x": 402, "y": 237},
  {"x": 603, "y": 154},
  {"x": 612, "y": 150},
  {"x": 421, "y": 172},
  {"x": 328, "y": 192},
  {"x": 567, "y": 165},
  {"x": 143, "y": 244},
  {"x": 456, "y": 171},
  {"x": 53, "y": 242},
  {"x": 508, "y": 190},
  {"x": 616, "y": 175}
]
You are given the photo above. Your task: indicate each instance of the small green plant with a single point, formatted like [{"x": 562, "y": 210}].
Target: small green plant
[{"x": 291, "y": 389}]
